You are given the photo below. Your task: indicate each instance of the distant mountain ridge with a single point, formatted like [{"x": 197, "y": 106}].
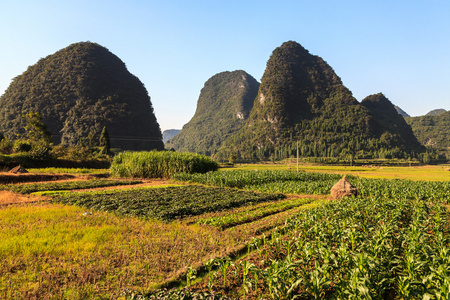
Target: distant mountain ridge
[
  {"x": 170, "y": 133},
  {"x": 436, "y": 112},
  {"x": 78, "y": 90}
]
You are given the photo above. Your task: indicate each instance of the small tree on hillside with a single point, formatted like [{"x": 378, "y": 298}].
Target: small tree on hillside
[
  {"x": 35, "y": 129},
  {"x": 105, "y": 142}
]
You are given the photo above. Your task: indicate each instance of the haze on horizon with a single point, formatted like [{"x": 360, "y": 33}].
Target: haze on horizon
[{"x": 398, "y": 48}]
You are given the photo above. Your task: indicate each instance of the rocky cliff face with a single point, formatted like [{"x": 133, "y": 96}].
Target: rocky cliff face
[
  {"x": 78, "y": 90},
  {"x": 401, "y": 112}
]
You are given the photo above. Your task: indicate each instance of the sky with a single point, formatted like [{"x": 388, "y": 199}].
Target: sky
[{"x": 400, "y": 48}]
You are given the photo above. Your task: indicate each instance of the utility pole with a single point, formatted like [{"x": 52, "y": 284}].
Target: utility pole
[{"x": 297, "y": 156}]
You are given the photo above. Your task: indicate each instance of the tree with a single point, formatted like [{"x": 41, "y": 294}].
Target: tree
[
  {"x": 35, "y": 129},
  {"x": 104, "y": 141}
]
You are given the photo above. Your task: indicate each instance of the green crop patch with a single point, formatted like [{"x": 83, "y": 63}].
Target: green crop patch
[
  {"x": 66, "y": 185},
  {"x": 250, "y": 215},
  {"x": 167, "y": 204},
  {"x": 288, "y": 182}
]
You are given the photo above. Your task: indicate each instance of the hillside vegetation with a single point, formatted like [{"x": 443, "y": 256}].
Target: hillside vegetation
[
  {"x": 78, "y": 91},
  {"x": 302, "y": 99},
  {"x": 222, "y": 108},
  {"x": 432, "y": 130},
  {"x": 390, "y": 126}
]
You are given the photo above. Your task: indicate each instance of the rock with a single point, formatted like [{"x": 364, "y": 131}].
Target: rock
[
  {"x": 18, "y": 169},
  {"x": 343, "y": 189}
]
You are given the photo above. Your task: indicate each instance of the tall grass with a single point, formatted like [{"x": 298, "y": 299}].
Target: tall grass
[{"x": 160, "y": 164}]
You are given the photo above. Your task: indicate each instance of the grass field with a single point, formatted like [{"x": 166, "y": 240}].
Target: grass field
[{"x": 51, "y": 250}]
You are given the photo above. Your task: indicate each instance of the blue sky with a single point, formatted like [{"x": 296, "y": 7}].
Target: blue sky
[{"x": 399, "y": 48}]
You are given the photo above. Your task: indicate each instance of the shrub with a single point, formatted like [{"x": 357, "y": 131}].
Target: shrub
[
  {"x": 21, "y": 146},
  {"x": 40, "y": 151},
  {"x": 6, "y": 146},
  {"x": 162, "y": 164}
]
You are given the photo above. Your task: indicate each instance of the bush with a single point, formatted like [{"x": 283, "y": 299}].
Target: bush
[
  {"x": 6, "y": 146},
  {"x": 40, "y": 152},
  {"x": 162, "y": 164},
  {"x": 21, "y": 146}
]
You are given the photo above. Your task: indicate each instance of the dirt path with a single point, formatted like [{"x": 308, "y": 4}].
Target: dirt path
[{"x": 8, "y": 198}]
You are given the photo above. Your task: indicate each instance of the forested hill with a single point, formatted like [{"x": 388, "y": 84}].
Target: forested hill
[
  {"x": 390, "y": 126},
  {"x": 302, "y": 99},
  {"x": 432, "y": 130},
  {"x": 436, "y": 112},
  {"x": 223, "y": 107},
  {"x": 78, "y": 90}
]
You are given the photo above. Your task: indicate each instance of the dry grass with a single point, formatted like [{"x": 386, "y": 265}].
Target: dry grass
[{"x": 54, "y": 251}]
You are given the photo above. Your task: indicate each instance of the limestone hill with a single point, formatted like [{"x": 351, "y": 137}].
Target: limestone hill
[
  {"x": 77, "y": 91},
  {"x": 223, "y": 107}
]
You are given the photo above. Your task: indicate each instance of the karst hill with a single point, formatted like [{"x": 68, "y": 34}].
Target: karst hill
[
  {"x": 433, "y": 129},
  {"x": 79, "y": 90},
  {"x": 390, "y": 125},
  {"x": 302, "y": 99},
  {"x": 223, "y": 107}
]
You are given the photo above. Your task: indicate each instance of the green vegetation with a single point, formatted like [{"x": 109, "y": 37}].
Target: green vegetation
[
  {"x": 432, "y": 130},
  {"x": 66, "y": 185},
  {"x": 390, "y": 126},
  {"x": 252, "y": 214},
  {"x": 105, "y": 142},
  {"x": 301, "y": 99},
  {"x": 389, "y": 243},
  {"x": 369, "y": 248},
  {"x": 53, "y": 251},
  {"x": 249, "y": 179},
  {"x": 69, "y": 171},
  {"x": 424, "y": 173},
  {"x": 77, "y": 91},
  {"x": 167, "y": 204},
  {"x": 289, "y": 182},
  {"x": 436, "y": 112},
  {"x": 222, "y": 108},
  {"x": 160, "y": 164}
]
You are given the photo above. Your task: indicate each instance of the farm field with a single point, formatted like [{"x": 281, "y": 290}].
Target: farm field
[
  {"x": 427, "y": 173},
  {"x": 230, "y": 242}
]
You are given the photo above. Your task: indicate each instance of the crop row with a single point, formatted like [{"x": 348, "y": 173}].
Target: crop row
[
  {"x": 66, "y": 185},
  {"x": 167, "y": 203},
  {"x": 246, "y": 178},
  {"x": 367, "y": 248},
  {"x": 289, "y": 182},
  {"x": 234, "y": 219}
]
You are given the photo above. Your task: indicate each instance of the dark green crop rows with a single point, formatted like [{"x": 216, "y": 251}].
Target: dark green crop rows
[
  {"x": 167, "y": 203},
  {"x": 66, "y": 185}
]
